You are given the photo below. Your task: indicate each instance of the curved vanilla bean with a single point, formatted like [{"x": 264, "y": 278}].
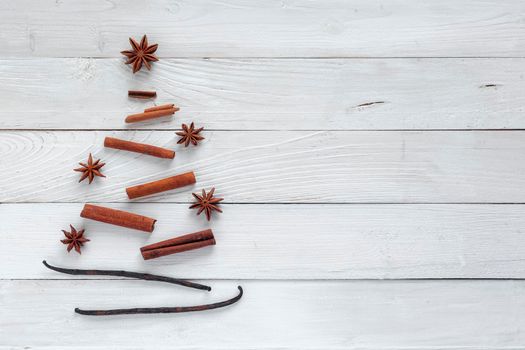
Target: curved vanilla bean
[
  {"x": 120, "y": 273},
  {"x": 161, "y": 310}
]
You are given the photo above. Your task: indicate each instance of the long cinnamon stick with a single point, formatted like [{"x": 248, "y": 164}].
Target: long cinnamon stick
[
  {"x": 161, "y": 185},
  {"x": 179, "y": 244},
  {"x": 143, "y": 148},
  {"x": 142, "y": 94},
  {"x": 158, "y": 108},
  {"x": 118, "y": 217},
  {"x": 134, "y": 118}
]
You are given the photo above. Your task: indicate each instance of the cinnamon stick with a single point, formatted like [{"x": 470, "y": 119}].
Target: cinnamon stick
[
  {"x": 179, "y": 244},
  {"x": 142, "y": 94},
  {"x": 189, "y": 238},
  {"x": 143, "y": 148},
  {"x": 161, "y": 185},
  {"x": 158, "y": 108},
  {"x": 134, "y": 118},
  {"x": 118, "y": 217}
]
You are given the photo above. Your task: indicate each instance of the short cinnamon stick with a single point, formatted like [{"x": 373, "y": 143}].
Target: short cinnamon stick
[
  {"x": 142, "y": 94},
  {"x": 118, "y": 217},
  {"x": 180, "y": 244},
  {"x": 162, "y": 185},
  {"x": 143, "y": 148},
  {"x": 189, "y": 238},
  {"x": 158, "y": 108},
  {"x": 134, "y": 118}
]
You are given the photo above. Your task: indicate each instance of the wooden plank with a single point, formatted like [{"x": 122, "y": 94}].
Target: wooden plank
[
  {"x": 266, "y": 94},
  {"x": 275, "y": 167},
  {"x": 275, "y": 28},
  {"x": 279, "y": 241},
  {"x": 315, "y": 315}
]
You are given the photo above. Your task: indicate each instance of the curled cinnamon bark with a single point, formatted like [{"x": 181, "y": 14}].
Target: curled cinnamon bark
[
  {"x": 161, "y": 107},
  {"x": 118, "y": 217},
  {"x": 136, "y": 147},
  {"x": 180, "y": 244},
  {"x": 169, "y": 183},
  {"x": 142, "y": 94},
  {"x": 140, "y": 117}
]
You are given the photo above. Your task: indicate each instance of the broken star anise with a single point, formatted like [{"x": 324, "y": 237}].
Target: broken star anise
[
  {"x": 90, "y": 169},
  {"x": 141, "y": 54},
  {"x": 189, "y": 134},
  {"x": 206, "y": 203},
  {"x": 74, "y": 239}
]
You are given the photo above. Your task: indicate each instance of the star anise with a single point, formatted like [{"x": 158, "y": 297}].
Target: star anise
[
  {"x": 206, "y": 203},
  {"x": 141, "y": 54},
  {"x": 74, "y": 239},
  {"x": 90, "y": 169},
  {"x": 189, "y": 134}
]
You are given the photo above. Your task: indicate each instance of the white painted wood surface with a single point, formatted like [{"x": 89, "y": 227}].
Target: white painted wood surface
[
  {"x": 267, "y": 94},
  {"x": 271, "y": 315},
  {"x": 268, "y": 241},
  {"x": 327, "y": 191},
  {"x": 275, "y": 166},
  {"x": 274, "y": 28}
]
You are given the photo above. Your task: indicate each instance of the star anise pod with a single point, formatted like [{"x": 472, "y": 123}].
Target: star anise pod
[
  {"x": 189, "y": 134},
  {"x": 206, "y": 203},
  {"x": 141, "y": 54},
  {"x": 74, "y": 239},
  {"x": 90, "y": 169}
]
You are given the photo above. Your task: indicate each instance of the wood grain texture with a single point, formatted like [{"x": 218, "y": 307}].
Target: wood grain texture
[
  {"x": 266, "y": 94},
  {"x": 279, "y": 241},
  {"x": 329, "y": 315},
  {"x": 275, "y": 167},
  {"x": 313, "y": 210},
  {"x": 276, "y": 28}
]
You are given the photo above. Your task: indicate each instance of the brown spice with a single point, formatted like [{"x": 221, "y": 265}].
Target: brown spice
[
  {"x": 161, "y": 185},
  {"x": 118, "y": 217},
  {"x": 91, "y": 169},
  {"x": 179, "y": 244},
  {"x": 74, "y": 239},
  {"x": 162, "y": 310},
  {"x": 158, "y": 108},
  {"x": 130, "y": 274},
  {"x": 142, "y": 94},
  {"x": 189, "y": 134},
  {"x": 140, "y": 117},
  {"x": 141, "y": 54},
  {"x": 124, "y": 145},
  {"x": 207, "y": 203},
  {"x": 146, "y": 277}
]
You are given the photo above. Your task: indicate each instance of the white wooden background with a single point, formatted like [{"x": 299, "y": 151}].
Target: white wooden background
[{"x": 371, "y": 153}]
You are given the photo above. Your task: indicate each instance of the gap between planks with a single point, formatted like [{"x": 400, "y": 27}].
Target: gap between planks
[{"x": 269, "y": 130}]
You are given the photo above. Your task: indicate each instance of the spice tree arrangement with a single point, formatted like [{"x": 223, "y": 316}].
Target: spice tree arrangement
[{"x": 142, "y": 54}]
